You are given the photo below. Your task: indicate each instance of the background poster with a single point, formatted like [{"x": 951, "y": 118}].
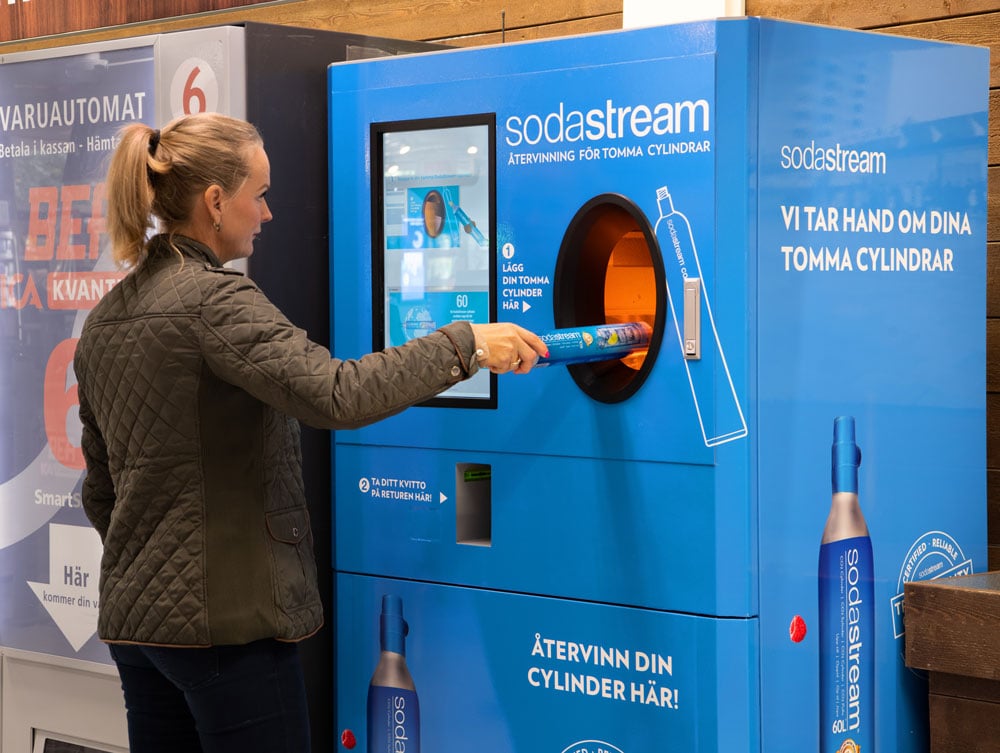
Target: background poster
[{"x": 59, "y": 120}]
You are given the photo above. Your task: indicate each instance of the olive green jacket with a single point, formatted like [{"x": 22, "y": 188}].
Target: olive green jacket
[{"x": 191, "y": 386}]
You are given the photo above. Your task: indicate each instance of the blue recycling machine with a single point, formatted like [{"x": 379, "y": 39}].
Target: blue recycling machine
[{"x": 647, "y": 553}]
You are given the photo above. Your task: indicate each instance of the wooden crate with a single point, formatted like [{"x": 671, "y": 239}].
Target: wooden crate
[{"x": 953, "y": 632}]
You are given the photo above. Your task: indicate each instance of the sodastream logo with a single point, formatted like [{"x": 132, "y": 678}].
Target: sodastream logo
[
  {"x": 400, "y": 730},
  {"x": 612, "y": 121},
  {"x": 855, "y": 607}
]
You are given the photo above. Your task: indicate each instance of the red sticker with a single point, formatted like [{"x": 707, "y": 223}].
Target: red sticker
[
  {"x": 797, "y": 629},
  {"x": 347, "y": 739}
]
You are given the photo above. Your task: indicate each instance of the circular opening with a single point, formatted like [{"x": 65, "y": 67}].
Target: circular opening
[
  {"x": 434, "y": 213},
  {"x": 610, "y": 271}
]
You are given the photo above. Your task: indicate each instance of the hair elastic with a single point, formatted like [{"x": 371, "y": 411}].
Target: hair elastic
[{"x": 154, "y": 141}]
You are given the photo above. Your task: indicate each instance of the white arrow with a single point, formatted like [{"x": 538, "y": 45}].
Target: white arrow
[
  {"x": 443, "y": 498},
  {"x": 525, "y": 306},
  {"x": 71, "y": 595}
]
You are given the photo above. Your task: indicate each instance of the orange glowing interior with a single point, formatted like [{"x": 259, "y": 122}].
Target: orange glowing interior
[{"x": 630, "y": 288}]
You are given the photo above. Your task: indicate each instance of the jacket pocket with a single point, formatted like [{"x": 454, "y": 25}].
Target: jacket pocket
[{"x": 292, "y": 555}]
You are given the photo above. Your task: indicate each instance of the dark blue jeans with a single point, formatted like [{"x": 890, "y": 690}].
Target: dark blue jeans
[{"x": 224, "y": 699}]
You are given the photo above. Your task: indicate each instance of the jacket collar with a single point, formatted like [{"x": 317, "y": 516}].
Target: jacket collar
[{"x": 188, "y": 247}]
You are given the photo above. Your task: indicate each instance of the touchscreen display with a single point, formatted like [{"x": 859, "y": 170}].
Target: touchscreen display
[{"x": 434, "y": 231}]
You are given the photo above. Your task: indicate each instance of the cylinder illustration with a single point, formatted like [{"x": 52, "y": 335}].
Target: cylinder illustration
[
  {"x": 721, "y": 418},
  {"x": 468, "y": 224},
  {"x": 846, "y": 609},
  {"x": 393, "y": 708}
]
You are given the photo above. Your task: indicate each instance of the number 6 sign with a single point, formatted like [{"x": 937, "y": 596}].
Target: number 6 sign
[
  {"x": 200, "y": 70},
  {"x": 194, "y": 88}
]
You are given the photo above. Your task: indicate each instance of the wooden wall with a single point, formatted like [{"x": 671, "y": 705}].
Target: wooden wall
[
  {"x": 969, "y": 22},
  {"x": 984, "y": 29},
  {"x": 468, "y": 23},
  {"x": 458, "y": 22},
  {"x": 24, "y": 19}
]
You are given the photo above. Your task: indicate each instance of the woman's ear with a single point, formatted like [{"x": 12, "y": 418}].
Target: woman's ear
[{"x": 213, "y": 198}]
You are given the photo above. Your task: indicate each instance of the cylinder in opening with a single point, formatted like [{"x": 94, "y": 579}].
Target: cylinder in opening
[{"x": 610, "y": 271}]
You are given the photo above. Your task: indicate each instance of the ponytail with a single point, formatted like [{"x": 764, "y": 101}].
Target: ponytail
[{"x": 130, "y": 195}]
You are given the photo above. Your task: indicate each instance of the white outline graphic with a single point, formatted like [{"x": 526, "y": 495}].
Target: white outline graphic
[{"x": 665, "y": 202}]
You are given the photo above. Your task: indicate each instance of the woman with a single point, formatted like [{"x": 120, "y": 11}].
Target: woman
[{"x": 191, "y": 386}]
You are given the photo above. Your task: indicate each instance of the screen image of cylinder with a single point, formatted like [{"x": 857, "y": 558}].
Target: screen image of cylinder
[
  {"x": 846, "y": 609},
  {"x": 393, "y": 708}
]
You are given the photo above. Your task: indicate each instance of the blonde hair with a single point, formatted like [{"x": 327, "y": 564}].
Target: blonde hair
[{"x": 161, "y": 173}]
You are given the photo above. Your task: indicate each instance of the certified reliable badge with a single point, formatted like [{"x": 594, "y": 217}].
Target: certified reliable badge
[
  {"x": 591, "y": 746},
  {"x": 934, "y": 555}
]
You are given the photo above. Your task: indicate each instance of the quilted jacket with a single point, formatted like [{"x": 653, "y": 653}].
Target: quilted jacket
[{"x": 191, "y": 385}]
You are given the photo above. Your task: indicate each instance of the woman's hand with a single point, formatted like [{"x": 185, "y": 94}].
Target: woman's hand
[{"x": 502, "y": 347}]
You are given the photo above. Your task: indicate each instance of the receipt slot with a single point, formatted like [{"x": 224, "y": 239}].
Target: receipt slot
[{"x": 623, "y": 554}]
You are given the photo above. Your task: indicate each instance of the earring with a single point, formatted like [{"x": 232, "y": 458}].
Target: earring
[{"x": 217, "y": 226}]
